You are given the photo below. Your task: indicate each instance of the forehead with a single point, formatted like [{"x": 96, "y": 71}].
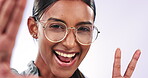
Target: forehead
[{"x": 69, "y": 10}]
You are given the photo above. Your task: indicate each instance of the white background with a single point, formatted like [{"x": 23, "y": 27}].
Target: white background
[{"x": 123, "y": 24}]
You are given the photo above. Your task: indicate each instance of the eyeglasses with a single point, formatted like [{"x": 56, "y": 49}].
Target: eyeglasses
[{"x": 56, "y": 31}]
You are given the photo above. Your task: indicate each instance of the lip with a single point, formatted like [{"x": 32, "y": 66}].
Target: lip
[
  {"x": 63, "y": 64},
  {"x": 66, "y": 52}
]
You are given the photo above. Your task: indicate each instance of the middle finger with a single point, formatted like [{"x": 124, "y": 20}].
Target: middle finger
[
  {"x": 1, "y": 3},
  {"x": 132, "y": 64},
  {"x": 5, "y": 14}
]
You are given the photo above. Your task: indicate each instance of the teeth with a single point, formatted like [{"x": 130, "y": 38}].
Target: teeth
[{"x": 65, "y": 55}]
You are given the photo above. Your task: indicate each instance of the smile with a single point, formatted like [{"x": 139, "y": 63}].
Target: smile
[
  {"x": 65, "y": 55},
  {"x": 66, "y": 59}
]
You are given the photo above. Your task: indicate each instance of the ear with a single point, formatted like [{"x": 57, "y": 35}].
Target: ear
[{"x": 32, "y": 27}]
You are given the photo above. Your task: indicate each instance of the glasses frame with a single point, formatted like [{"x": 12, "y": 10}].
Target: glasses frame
[{"x": 41, "y": 22}]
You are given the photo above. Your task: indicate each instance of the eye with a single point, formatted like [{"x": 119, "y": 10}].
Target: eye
[
  {"x": 56, "y": 26},
  {"x": 84, "y": 29}
]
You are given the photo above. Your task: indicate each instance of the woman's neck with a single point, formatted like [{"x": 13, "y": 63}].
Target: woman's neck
[{"x": 43, "y": 68}]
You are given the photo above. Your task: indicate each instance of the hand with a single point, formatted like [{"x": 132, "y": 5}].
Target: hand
[
  {"x": 11, "y": 12},
  {"x": 130, "y": 68}
]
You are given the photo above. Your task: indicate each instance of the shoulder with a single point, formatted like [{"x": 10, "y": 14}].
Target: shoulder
[{"x": 32, "y": 70}]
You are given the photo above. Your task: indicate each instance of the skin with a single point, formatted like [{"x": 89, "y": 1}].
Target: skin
[
  {"x": 9, "y": 26},
  {"x": 72, "y": 12}
]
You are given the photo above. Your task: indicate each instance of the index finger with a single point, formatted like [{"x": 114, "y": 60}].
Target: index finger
[{"x": 117, "y": 63}]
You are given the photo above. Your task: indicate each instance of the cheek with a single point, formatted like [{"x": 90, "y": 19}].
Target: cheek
[
  {"x": 46, "y": 53},
  {"x": 43, "y": 43},
  {"x": 85, "y": 50},
  {"x": 45, "y": 48}
]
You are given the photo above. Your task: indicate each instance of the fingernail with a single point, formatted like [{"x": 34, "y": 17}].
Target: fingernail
[{"x": 138, "y": 51}]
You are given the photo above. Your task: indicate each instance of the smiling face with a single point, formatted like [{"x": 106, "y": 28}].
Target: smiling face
[{"x": 63, "y": 58}]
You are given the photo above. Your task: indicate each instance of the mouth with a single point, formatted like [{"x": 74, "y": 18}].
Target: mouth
[{"x": 66, "y": 58}]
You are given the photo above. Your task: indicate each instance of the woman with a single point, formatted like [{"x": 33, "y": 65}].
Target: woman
[{"x": 64, "y": 30}]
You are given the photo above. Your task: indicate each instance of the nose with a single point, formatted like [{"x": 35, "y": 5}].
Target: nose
[{"x": 70, "y": 41}]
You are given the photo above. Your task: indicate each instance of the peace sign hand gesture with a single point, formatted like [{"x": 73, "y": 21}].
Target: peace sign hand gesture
[{"x": 116, "y": 67}]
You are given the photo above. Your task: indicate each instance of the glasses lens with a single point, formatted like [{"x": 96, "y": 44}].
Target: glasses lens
[
  {"x": 55, "y": 31},
  {"x": 86, "y": 34}
]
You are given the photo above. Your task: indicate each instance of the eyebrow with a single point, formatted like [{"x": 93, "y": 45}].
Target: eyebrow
[
  {"x": 80, "y": 23},
  {"x": 55, "y": 19},
  {"x": 83, "y": 23}
]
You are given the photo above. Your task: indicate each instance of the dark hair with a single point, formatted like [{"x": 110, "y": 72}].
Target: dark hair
[{"x": 40, "y": 6}]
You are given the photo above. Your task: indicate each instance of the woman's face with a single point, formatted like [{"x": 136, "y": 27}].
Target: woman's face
[{"x": 63, "y": 58}]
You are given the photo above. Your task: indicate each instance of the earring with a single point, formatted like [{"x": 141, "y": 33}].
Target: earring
[{"x": 34, "y": 35}]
